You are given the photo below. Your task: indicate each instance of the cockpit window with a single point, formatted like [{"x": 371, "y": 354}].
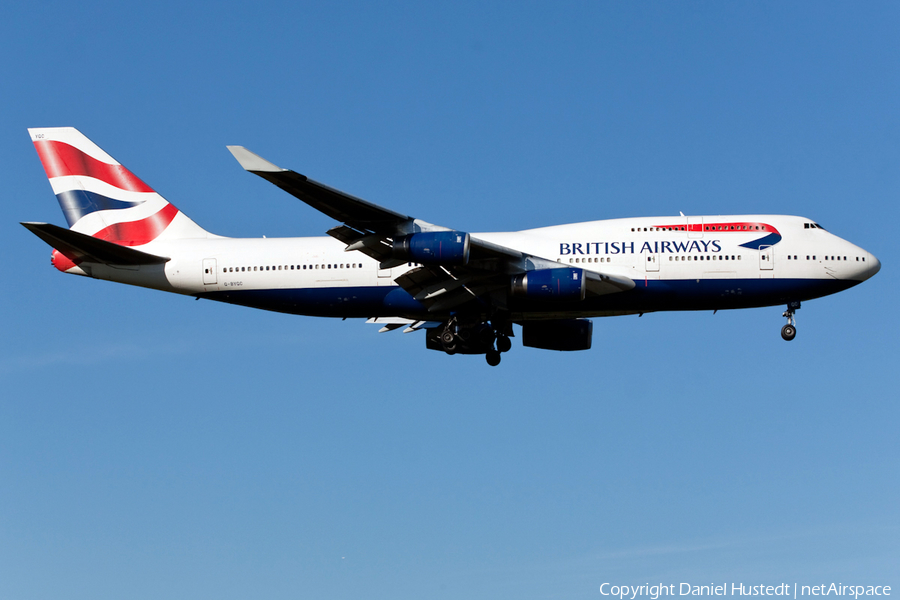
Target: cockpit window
[{"x": 817, "y": 226}]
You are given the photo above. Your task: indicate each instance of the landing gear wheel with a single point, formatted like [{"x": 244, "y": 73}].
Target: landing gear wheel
[
  {"x": 493, "y": 358},
  {"x": 485, "y": 334},
  {"x": 788, "y": 332},
  {"x": 503, "y": 344},
  {"x": 448, "y": 341}
]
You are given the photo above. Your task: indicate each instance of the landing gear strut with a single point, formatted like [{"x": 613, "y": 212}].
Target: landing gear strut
[
  {"x": 501, "y": 331},
  {"x": 789, "y": 331}
]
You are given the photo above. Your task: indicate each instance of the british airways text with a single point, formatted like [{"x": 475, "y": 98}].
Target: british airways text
[{"x": 591, "y": 248}]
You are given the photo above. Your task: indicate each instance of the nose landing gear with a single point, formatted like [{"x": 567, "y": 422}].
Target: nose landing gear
[{"x": 789, "y": 331}]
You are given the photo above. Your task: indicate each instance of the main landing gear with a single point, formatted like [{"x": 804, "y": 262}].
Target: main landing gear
[
  {"x": 490, "y": 339},
  {"x": 789, "y": 331}
]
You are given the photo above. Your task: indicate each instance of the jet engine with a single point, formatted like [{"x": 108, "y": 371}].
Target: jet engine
[
  {"x": 550, "y": 284},
  {"x": 437, "y": 247}
]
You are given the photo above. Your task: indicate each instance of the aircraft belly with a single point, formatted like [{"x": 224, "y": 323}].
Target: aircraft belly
[
  {"x": 349, "y": 302},
  {"x": 647, "y": 296},
  {"x": 652, "y": 295},
  {"x": 713, "y": 294}
]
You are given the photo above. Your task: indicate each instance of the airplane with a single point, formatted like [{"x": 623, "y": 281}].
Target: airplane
[{"x": 465, "y": 290}]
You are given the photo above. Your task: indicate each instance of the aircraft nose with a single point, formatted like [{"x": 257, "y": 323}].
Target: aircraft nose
[
  {"x": 865, "y": 266},
  {"x": 874, "y": 266}
]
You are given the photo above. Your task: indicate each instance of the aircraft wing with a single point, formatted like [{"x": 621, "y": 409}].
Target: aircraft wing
[
  {"x": 355, "y": 212},
  {"x": 371, "y": 229}
]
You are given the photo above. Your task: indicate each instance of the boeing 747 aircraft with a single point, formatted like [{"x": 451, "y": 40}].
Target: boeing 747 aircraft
[{"x": 465, "y": 290}]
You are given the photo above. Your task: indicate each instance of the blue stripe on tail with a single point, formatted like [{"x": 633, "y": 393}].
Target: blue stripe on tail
[{"x": 77, "y": 203}]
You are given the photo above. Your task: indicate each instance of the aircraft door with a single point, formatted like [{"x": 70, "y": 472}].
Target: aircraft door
[
  {"x": 384, "y": 277},
  {"x": 209, "y": 271},
  {"x": 651, "y": 263},
  {"x": 766, "y": 258}
]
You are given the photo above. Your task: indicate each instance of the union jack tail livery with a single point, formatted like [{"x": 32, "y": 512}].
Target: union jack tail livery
[{"x": 103, "y": 199}]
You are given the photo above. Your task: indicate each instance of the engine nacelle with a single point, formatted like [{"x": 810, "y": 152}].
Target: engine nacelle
[
  {"x": 564, "y": 335},
  {"x": 436, "y": 247},
  {"x": 550, "y": 284}
]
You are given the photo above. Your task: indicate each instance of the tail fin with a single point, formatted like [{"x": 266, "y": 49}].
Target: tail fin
[{"x": 101, "y": 198}]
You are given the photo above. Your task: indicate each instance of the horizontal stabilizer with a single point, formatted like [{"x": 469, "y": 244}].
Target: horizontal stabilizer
[{"x": 80, "y": 246}]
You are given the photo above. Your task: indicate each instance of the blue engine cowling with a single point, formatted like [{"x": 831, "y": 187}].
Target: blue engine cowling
[
  {"x": 550, "y": 284},
  {"x": 438, "y": 247},
  {"x": 565, "y": 335}
]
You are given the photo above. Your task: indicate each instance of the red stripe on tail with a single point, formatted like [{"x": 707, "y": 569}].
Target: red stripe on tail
[
  {"x": 61, "y": 159},
  {"x": 138, "y": 233}
]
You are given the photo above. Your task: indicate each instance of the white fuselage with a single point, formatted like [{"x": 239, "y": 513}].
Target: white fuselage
[{"x": 742, "y": 260}]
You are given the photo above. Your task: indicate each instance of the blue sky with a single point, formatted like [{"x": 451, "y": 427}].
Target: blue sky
[{"x": 153, "y": 446}]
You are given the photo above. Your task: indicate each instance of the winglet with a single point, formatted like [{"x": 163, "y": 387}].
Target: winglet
[{"x": 253, "y": 162}]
